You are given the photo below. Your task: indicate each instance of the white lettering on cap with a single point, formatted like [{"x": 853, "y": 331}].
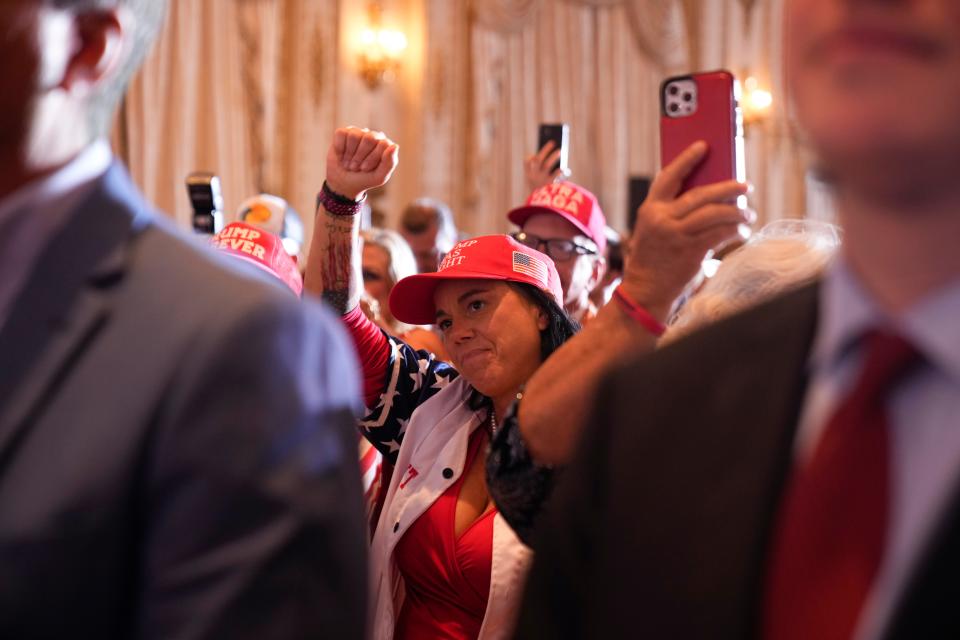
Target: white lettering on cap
[
  {"x": 454, "y": 258},
  {"x": 451, "y": 261},
  {"x": 242, "y": 246},
  {"x": 541, "y": 198},
  {"x": 560, "y": 196},
  {"x": 239, "y": 232}
]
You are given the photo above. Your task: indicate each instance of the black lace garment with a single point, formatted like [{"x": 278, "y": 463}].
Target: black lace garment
[{"x": 518, "y": 485}]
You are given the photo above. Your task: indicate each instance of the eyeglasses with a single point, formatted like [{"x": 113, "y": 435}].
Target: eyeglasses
[{"x": 560, "y": 249}]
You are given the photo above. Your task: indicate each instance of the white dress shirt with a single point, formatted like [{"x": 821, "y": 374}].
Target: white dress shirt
[
  {"x": 924, "y": 413},
  {"x": 31, "y": 215}
]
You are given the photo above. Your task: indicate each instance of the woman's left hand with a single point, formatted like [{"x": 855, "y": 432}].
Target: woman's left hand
[{"x": 360, "y": 160}]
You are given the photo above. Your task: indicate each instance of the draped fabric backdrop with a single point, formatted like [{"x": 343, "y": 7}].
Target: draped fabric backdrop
[
  {"x": 252, "y": 90},
  {"x": 570, "y": 61},
  {"x": 746, "y": 36}
]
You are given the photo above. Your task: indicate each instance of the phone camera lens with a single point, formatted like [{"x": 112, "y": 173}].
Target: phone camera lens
[
  {"x": 674, "y": 107},
  {"x": 687, "y": 97},
  {"x": 673, "y": 90}
]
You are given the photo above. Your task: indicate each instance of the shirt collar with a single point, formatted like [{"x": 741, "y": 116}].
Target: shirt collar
[
  {"x": 47, "y": 192},
  {"x": 847, "y": 310},
  {"x": 932, "y": 325}
]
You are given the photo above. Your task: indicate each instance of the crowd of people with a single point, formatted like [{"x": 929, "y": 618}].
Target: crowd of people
[{"x": 563, "y": 432}]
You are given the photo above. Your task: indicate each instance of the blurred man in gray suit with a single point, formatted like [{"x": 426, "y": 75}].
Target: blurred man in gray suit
[{"x": 176, "y": 449}]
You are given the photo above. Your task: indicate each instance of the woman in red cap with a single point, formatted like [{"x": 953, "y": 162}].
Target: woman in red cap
[{"x": 445, "y": 563}]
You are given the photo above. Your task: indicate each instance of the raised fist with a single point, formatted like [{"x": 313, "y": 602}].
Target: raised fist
[{"x": 360, "y": 160}]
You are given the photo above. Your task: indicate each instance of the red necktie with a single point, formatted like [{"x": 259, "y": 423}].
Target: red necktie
[{"x": 831, "y": 529}]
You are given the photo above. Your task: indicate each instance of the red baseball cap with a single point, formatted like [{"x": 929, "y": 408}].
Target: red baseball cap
[
  {"x": 484, "y": 258},
  {"x": 571, "y": 202},
  {"x": 263, "y": 249}
]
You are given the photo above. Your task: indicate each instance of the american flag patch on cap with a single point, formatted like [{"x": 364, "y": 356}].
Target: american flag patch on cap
[{"x": 529, "y": 265}]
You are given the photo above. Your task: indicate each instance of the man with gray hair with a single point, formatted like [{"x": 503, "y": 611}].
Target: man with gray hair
[
  {"x": 177, "y": 457},
  {"x": 427, "y": 226}
]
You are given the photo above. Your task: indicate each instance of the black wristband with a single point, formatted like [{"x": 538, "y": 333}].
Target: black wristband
[{"x": 337, "y": 204}]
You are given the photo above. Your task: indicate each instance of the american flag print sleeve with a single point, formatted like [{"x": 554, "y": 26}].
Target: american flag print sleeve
[{"x": 412, "y": 378}]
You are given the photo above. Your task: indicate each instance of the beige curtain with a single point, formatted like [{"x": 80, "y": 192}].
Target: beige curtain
[
  {"x": 240, "y": 88},
  {"x": 252, "y": 90},
  {"x": 577, "y": 62},
  {"x": 504, "y": 15},
  {"x": 180, "y": 114},
  {"x": 658, "y": 28},
  {"x": 445, "y": 118},
  {"x": 746, "y": 37}
]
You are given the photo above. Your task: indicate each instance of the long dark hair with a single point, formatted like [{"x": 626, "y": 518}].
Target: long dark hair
[{"x": 560, "y": 328}]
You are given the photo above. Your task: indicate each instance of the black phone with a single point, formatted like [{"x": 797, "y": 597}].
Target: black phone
[
  {"x": 207, "y": 202},
  {"x": 637, "y": 189},
  {"x": 559, "y": 133}
]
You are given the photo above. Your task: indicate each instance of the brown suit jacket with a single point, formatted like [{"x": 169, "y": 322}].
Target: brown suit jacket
[{"x": 660, "y": 527}]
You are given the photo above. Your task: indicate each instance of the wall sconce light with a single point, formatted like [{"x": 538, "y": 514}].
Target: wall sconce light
[
  {"x": 757, "y": 102},
  {"x": 380, "y": 49}
]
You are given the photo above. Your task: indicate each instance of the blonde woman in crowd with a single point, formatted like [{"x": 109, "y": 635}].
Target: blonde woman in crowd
[
  {"x": 386, "y": 260},
  {"x": 785, "y": 254}
]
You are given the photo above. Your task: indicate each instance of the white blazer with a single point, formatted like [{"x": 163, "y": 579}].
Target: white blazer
[{"x": 436, "y": 439}]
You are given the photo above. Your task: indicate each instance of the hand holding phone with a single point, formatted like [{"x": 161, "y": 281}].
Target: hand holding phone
[
  {"x": 673, "y": 234},
  {"x": 559, "y": 135},
  {"x": 549, "y": 163},
  {"x": 207, "y": 202}
]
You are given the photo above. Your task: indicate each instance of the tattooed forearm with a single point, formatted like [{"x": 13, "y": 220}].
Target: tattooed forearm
[
  {"x": 338, "y": 300},
  {"x": 338, "y": 265},
  {"x": 333, "y": 267}
]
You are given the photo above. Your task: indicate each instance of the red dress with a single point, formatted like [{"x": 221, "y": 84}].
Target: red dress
[{"x": 447, "y": 579}]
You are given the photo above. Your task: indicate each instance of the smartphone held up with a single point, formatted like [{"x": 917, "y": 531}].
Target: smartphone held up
[
  {"x": 207, "y": 201},
  {"x": 559, "y": 134},
  {"x": 703, "y": 106},
  {"x": 706, "y": 107}
]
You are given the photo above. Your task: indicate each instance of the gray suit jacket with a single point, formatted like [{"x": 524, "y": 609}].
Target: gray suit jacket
[{"x": 177, "y": 448}]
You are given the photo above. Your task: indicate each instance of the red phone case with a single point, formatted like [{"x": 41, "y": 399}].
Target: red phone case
[{"x": 715, "y": 121}]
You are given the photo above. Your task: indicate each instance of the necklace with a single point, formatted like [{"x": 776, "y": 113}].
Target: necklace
[{"x": 493, "y": 416}]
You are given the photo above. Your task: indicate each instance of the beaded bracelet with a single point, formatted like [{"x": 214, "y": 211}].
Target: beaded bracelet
[
  {"x": 638, "y": 313},
  {"x": 338, "y": 205}
]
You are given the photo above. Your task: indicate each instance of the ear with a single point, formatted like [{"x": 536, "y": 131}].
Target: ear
[
  {"x": 599, "y": 269},
  {"x": 543, "y": 318},
  {"x": 98, "y": 40}
]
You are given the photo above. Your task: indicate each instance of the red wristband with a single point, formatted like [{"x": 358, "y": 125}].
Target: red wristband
[
  {"x": 638, "y": 313},
  {"x": 337, "y": 204}
]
